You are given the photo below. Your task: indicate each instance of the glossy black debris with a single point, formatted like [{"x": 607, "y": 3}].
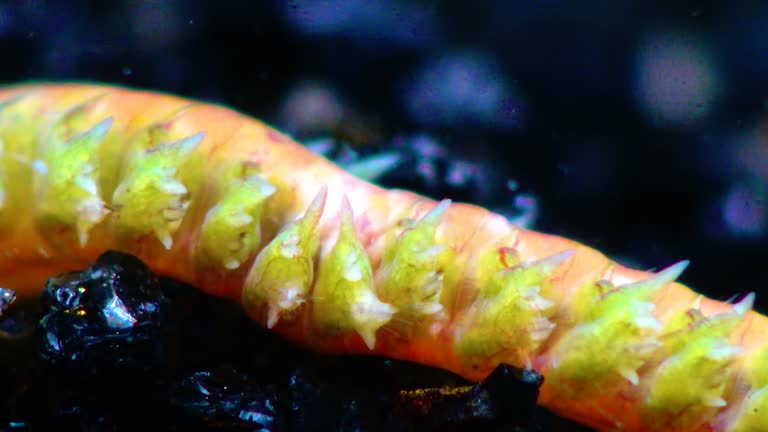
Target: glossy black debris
[
  {"x": 118, "y": 349},
  {"x": 6, "y": 298},
  {"x": 109, "y": 315}
]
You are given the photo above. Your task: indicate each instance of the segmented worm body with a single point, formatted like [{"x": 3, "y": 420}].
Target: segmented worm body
[{"x": 225, "y": 203}]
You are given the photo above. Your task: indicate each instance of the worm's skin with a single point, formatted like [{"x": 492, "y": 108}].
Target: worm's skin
[{"x": 226, "y": 203}]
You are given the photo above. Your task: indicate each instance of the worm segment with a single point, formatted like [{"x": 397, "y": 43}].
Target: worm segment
[
  {"x": 151, "y": 199},
  {"x": 344, "y": 299},
  {"x": 701, "y": 356},
  {"x": 231, "y": 230},
  {"x": 409, "y": 277},
  {"x": 617, "y": 335},
  {"x": 282, "y": 274},
  {"x": 753, "y": 413},
  {"x": 749, "y": 391},
  {"x": 509, "y": 317},
  {"x": 65, "y": 185}
]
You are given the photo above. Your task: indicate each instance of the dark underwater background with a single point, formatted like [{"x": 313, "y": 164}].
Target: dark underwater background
[{"x": 637, "y": 127}]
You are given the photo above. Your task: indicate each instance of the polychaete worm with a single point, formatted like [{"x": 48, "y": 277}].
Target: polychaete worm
[{"x": 223, "y": 202}]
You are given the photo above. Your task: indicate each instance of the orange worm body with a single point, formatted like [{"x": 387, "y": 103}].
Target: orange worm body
[{"x": 223, "y": 202}]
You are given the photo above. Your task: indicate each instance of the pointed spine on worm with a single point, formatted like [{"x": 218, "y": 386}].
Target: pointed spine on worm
[{"x": 223, "y": 202}]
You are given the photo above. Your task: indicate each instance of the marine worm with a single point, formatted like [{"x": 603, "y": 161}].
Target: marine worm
[{"x": 223, "y": 202}]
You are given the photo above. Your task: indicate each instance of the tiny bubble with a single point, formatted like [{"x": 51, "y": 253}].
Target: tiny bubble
[
  {"x": 127, "y": 71},
  {"x": 39, "y": 166}
]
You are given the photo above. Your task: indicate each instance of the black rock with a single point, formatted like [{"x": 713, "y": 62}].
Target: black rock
[{"x": 107, "y": 316}]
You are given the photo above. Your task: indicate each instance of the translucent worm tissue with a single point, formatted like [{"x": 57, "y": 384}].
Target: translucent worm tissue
[{"x": 223, "y": 202}]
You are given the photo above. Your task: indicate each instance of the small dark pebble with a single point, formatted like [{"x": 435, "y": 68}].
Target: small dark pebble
[
  {"x": 6, "y": 298},
  {"x": 118, "y": 349}
]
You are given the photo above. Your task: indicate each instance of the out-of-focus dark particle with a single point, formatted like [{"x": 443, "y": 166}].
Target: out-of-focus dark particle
[
  {"x": 6, "y": 298},
  {"x": 107, "y": 316},
  {"x": 506, "y": 398}
]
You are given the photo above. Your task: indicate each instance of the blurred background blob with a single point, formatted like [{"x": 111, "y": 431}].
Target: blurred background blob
[
  {"x": 637, "y": 127},
  {"x": 745, "y": 210},
  {"x": 311, "y": 108},
  {"x": 677, "y": 81},
  {"x": 463, "y": 89},
  {"x": 398, "y": 22},
  {"x": 744, "y": 207}
]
